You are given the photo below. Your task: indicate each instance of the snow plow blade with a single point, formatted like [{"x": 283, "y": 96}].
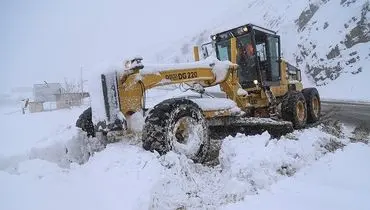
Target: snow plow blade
[
  {"x": 110, "y": 94},
  {"x": 104, "y": 115},
  {"x": 222, "y": 127}
]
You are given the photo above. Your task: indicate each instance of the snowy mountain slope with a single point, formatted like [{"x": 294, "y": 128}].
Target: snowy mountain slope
[
  {"x": 48, "y": 166},
  {"x": 334, "y": 48},
  {"x": 328, "y": 39},
  {"x": 345, "y": 49}
]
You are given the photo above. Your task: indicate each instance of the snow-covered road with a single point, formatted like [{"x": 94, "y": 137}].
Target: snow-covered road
[{"x": 350, "y": 112}]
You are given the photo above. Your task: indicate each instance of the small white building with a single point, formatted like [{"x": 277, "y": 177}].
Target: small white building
[
  {"x": 66, "y": 100},
  {"x": 46, "y": 92}
]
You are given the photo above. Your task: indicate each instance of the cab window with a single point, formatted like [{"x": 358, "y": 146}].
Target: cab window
[
  {"x": 223, "y": 50},
  {"x": 246, "y": 59}
]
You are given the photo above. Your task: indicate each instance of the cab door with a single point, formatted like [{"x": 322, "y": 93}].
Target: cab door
[
  {"x": 273, "y": 56},
  {"x": 247, "y": 61}
]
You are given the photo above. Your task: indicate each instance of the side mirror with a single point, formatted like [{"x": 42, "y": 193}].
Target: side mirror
[
  {"x": 205, "y": 50},
  {"x": 299, "y": 75}
]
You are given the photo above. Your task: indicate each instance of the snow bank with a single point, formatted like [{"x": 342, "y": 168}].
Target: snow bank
[
  {"x": 248, "y": 165},
  {"x": 78, "y": 149},
  {"x": 119, "y": 178},
  {"x": 50, "y": 136},
  {"x": 36, "y": 130},
  {"x": 338, "y": 181},
  {"x": 260, "y": 162}
]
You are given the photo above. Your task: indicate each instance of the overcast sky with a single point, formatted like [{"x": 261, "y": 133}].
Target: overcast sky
[{"x": 49, "y": 40}]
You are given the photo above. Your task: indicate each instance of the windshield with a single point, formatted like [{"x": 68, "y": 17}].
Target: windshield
[
  {"x": 223, "y": 50},
  {"x": 246, "y": 58}
]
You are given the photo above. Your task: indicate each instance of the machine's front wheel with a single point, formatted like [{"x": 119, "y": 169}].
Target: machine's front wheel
[
  {"x": 177, "y": 125},
  {"x": 84, "y": 122},
  {"x": 294, "y": 109}
]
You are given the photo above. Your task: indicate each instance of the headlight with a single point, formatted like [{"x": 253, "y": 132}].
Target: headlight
[
  {"x": 255, "y": 82},
  {"x": 214, "y": 37},
  {"x": 242, "y": 30}
]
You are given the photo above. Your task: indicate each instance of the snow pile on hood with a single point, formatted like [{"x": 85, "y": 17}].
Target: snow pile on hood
[
  {"x": 218, "y": 67},
  {"x": 212, "y": 104}
]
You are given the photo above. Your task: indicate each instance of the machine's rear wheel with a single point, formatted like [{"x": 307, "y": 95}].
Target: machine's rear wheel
[
  {"x": 177, "y": 125},
  {"x": 294, "y": 109},
  {"x": 313, "y": 104}
]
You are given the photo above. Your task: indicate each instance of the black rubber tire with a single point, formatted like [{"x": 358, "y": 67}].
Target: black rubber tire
[
  {"x": 310, "y": 94},
  {"x": 160, "y": 123},
  {"x": 289, "y": 111},
  {"x": 84, "y": 122}
]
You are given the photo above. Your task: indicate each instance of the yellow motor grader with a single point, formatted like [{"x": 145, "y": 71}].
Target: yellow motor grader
[{"x": 263, "y": 93}]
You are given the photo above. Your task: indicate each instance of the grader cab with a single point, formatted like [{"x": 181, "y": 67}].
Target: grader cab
[
  {"x": 266, "y": 77},
  {"x": 263, "y": 93}
]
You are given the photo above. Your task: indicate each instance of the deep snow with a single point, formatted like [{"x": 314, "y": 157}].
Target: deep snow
[
  {"x": 23, "y": 132},
  {"x": 48, "y": 175},
  {"x": 337, "y": 181}
]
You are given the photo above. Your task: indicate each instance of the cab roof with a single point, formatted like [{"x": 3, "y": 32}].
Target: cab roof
[{"x": 236, "y": 31}]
